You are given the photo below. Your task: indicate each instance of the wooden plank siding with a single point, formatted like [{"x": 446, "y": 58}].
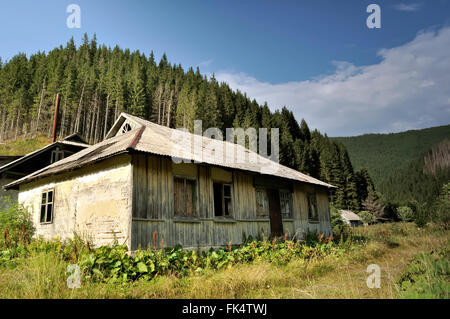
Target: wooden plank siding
[{"x": 153, "y": 210}]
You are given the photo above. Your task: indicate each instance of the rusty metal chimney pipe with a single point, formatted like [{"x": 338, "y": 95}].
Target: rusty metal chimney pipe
[{"x": 55, "y": 118}]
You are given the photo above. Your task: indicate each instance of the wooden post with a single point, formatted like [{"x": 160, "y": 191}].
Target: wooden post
[{"x": 55, "y": 118}]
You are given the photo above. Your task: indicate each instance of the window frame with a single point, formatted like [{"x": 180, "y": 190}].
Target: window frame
[
  {"x": 289, "y": 199},
  {"x": 262, "y": 189},
  {"x": 46, "y": 204},
  {"x": 194, "y": 198},
  {"x": 223, "y": 197},
  {"x": 314, "y": 219},
  {"x": 61, "y": 155}
]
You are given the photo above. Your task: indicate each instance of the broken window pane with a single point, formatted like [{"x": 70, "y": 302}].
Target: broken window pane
[
  {"x": 223, "y": 201},
  {"x": 217, "y": 199}
]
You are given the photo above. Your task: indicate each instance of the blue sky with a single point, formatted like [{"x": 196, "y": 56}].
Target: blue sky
[{"x": 274, "y": 50}]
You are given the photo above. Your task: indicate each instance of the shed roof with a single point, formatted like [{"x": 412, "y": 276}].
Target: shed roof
[
  {"x": 349, "y": 215},
  {"x": 155, "y": 139},
  {"x": 33, "y": 154}
]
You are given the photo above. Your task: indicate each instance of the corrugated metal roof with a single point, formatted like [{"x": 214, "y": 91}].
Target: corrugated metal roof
[{"x": 160, "y": 140}]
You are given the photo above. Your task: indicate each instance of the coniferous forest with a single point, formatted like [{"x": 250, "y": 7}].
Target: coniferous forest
[
  {"x": 96, "y": 83},
  {"x": 407, "y": 167}
]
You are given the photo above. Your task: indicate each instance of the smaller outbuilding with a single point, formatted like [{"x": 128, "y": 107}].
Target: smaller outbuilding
[
  {"x": 350, "y": 218},
  {"x": 13, "y": 168}
]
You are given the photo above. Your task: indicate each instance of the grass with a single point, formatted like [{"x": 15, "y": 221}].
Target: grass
[
  {"x": 397, "y": 248},
  {"x": 23, "y": 147}
]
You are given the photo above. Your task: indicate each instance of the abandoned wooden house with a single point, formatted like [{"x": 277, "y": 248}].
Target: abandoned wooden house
[
  {"x": 128, "y": 188},
  {"x": 21, "y": 166}
]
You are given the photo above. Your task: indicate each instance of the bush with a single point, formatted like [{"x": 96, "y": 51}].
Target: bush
[
  {"x": 337, "y": 223},
  {"x": 422, "y": 215},
  {"x": 441, "y": 212},
  {"x": 15, "y": 225},
  {"x": 405, "y": 213},
  {"x": 367, "y": 217}
]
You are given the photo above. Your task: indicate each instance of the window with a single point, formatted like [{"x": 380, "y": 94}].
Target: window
[
  {"x": 285, "y": 204},
  {"x": 312, "y": 208},
  {"x": 126, "y": 128},
  {"x": 56, "y": 155},
  {"x": 222, "y": 199},
  {"x": 47, "y": 207},
  {"x": 262, "y": 203},
  {"x": 184, "y": 197}
]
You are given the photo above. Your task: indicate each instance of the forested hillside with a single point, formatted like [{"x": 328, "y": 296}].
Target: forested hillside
[
  {"x": 421, "y": 180},
  {"x": 97, "y": 83},
  {"x": 384, "y": 154}
]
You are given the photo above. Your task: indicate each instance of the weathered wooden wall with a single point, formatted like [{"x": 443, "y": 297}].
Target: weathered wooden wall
[{"x": 153, "y": 207}]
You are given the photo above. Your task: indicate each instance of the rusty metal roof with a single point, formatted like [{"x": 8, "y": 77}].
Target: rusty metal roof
[{"x": 161, "y": 140}]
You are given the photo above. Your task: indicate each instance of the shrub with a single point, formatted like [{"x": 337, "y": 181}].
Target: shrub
[
  {"x": 367, "y": 217},
  {"x": 441, "y": 212},
  {"x": 405, "y": 213},
  {"x": 337, "y": 223},
  {"x": 422, "y": 215},
  {"x": 15, "y": 225}
]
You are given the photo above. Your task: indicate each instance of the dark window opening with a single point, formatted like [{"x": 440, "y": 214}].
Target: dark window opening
[
  {"x": 57, "y": 155},
  {"x": 313, "y": 214},
  {"x": 47, "y": 207},
  {"x": 223, "y": 200},
  {"x": 184, "y": 197},
  {"x": 126, "y": 128},
  {"x": 286, "y": 204}
]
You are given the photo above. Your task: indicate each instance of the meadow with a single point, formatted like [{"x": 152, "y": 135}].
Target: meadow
[{"x": 413, "y": 263}]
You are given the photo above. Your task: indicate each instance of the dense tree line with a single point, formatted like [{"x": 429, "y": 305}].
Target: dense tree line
[{"x": 96, "y": 83}]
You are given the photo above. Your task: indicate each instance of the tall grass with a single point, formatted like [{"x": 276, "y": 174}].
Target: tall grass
[{"x": 41, "y": 273}]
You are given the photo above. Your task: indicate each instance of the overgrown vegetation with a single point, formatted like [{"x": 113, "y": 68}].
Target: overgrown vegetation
[
  {"x": 427, "y": 276},
  {"x": 16, "y": 225},
  {"x": 279, "y": 268}
]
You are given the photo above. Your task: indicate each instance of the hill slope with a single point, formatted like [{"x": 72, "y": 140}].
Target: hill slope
[
  {"x": 422, "y": 179},
  {"x": 384, "y": 154}
]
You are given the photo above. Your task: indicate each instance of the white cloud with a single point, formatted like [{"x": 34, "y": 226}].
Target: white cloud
[
  {"x": 408, "y": 89},
  {"x": 409, "y": 7},
  {"x": 205, "y": 63}
]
